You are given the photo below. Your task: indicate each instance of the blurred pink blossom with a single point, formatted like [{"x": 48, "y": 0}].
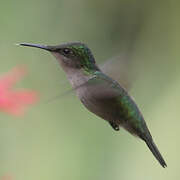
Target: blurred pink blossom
[
  {"x": 6, "y": 177},
  {"x": 15, "y": 101}
]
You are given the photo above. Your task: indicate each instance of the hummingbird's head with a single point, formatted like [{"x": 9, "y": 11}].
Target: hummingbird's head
[{"x": 74, "y": 55}]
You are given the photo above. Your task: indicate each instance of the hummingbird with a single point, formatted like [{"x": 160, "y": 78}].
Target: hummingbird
[{"x": 99, "y": 93}]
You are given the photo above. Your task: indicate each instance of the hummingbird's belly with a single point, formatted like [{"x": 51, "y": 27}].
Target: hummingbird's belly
[
  {"x": 97, "y": 109},
  {"x": 101, "y": 108},
  {"x": 112, "y": 105}
]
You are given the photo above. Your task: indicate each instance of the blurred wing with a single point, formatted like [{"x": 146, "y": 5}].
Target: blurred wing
[
  {"x": 119, "y": 69},
  {"x": 123, "y": 68}
]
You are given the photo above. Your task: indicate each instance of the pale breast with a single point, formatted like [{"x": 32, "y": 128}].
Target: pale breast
[{"x": 90, "y": 98}]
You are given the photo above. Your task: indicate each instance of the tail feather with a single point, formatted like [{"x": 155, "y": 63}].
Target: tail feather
[{"x": 155, "y": 151}]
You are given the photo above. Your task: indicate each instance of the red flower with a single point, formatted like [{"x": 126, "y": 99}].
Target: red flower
[{"x": 14, "y": 101}]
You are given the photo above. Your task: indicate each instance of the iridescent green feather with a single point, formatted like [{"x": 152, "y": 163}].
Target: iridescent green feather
[{"x": 86, "y": 57}]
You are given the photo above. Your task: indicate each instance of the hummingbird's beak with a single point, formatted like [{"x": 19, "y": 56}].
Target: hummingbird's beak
[{"x": 48, "y": 48}]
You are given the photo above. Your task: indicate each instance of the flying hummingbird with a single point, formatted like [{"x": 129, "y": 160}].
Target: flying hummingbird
[{"x": 99, "y": 93}]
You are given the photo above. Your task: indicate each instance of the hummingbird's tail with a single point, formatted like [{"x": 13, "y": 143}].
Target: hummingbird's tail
[{"x": 155, "y": 151}]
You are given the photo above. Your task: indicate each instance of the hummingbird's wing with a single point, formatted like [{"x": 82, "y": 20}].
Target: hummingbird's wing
[
  {"x": 123, "y": 67},
  {"x": 119, "y": 69}
]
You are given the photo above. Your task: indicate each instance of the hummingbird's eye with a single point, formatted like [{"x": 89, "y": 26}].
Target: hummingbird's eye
[{"x": 67, "y": 51}]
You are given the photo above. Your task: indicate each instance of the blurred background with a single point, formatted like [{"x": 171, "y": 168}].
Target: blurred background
[{"x": 61, "y": 139}]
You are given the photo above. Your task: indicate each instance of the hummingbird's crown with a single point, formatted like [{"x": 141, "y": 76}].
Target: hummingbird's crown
[{"x": 81, "y": 49}]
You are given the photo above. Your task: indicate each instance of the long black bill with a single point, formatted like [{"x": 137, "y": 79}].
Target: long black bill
[{"x": 48, "y": 48}]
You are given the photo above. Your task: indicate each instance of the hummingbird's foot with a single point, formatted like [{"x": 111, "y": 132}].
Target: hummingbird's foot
[{"x": 114, "y": 126}]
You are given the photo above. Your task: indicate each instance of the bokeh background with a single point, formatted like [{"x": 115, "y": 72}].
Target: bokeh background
[{"x": 60, "y": 139}]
